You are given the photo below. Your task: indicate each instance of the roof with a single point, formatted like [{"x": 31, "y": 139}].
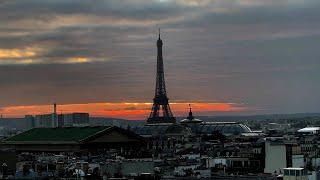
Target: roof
[
  {"x": 191, "y": 121},
  {"x": 292, "y": 168},
  {"x": 225, "y": 128},
  {"x": 220, "y": 122},
  {"x": 177, "y": 129},
  {"x": 309, "y": 129},
  {"x": 65, "y": 134},
  {"x": 190, "y": 118}
]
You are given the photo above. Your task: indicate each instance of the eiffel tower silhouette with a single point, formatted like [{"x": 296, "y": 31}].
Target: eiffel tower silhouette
[{"x": 160, "y": 112}]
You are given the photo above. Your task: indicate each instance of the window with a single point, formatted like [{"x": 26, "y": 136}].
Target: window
[
  {"x": 246, "y": 163},
  {"x": 292, "y": 173}
]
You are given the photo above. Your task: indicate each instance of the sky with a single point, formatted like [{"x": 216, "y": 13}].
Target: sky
[{"x": 225, "y": 57}]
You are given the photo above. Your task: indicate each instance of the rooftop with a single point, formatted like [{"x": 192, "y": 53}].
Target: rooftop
[
  {"x": 226, "y": 128},
  {"x": 293, "y": 168},
  {"x": 58, "y": 134},
  {"x": 309, "y": 129}
]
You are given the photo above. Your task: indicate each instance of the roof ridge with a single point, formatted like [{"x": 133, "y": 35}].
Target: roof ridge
[
  {"x": 6, "y": 139},
  {"x": 97, "y": 133}
]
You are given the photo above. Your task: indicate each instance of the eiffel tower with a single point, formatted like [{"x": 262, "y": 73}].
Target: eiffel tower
[{"x": 160, "y": 112}]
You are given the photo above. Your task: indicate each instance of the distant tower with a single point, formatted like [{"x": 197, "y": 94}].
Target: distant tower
[
  {"x": 54, "y": 116},
  {"x": 54, "y": 108},
  {"x": 160, "y": 112}
]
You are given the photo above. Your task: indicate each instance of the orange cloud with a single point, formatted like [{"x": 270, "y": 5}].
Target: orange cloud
[
  {"x": 17, "y": 53},
  {"x": 122, "y": 110}
]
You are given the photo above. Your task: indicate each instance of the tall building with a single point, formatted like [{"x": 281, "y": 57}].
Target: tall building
[
  {"x": 47, "y": 120},
  {"x": 73, "y": 119},
  {"x": 30, "y": 121},
  {"x": 61, "y": 120},
  {"x": 278, "y": 155},
  {"x": 58, "y": 120},
  {"x": 160, "y": 112},
  {"x": 44, "y": 120}
]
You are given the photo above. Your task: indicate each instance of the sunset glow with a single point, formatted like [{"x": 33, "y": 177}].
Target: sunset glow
[
  {"x": 124, "y": 110},
  {"x": 217, "y": 54},
  {"x": 17, "y": 53}
]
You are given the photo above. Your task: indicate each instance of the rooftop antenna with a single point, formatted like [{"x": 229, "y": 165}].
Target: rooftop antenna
[{"x": 159, "y": 33}]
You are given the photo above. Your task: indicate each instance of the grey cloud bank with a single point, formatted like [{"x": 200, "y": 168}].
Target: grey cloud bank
[{"x": 260, "y": 52}]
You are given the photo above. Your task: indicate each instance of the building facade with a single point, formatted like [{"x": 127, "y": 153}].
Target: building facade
[{"x": 73, "y": 119}]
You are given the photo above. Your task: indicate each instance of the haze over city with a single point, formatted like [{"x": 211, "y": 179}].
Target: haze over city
[{"x": 224, "y": 57}]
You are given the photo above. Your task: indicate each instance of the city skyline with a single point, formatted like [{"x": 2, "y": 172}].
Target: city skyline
[
  {"x": 124, "y": 110},
  {"x": 240, "y": 57}
]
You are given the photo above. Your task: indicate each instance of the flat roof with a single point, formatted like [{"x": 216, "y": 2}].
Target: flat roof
[
  {"x": 309, "y": 129},
  {"x": 220, "y": 122},
  {"x": 293, "y": 168}
]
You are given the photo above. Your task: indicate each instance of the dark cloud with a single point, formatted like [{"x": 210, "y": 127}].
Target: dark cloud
[
  {"x": 125, "y": 9},
  {"x": 257, "y": 52}
]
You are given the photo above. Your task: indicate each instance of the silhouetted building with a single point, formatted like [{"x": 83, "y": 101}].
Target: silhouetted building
[
  {"x": 190, "y": 119},
  {"x": 30, "y": 121},
  {"x": 76, "y": 139},
  {"x": 44, "y": 120},
  {"x": 57, "y": 120},
  {"x": 47, "y": 120},
  {"x": 73, "y": 119}
]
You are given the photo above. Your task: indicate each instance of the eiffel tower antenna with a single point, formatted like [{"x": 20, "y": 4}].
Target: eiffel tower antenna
[{"x": 160, "y": 112}]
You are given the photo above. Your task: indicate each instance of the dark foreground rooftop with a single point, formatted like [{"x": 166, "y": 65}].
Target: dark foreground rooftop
[
  {"x": 59, "y": 134},
  {"x": 72, "y": 139}
]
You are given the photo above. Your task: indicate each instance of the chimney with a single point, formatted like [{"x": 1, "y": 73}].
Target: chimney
[
  {"x": 54, "y": 108},
  {"x": 54, "y": 116}
]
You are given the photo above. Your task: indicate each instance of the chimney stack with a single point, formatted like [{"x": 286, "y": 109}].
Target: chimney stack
[
  {"x": 54, "y": 108},
  {"x": 54, "y": 116}
]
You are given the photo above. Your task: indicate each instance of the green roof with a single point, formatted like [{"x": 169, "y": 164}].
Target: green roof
[{"x": 58, "y": 134}]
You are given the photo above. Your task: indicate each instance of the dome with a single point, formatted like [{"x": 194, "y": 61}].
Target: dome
[
  {"x": 190, "y": 118},
  {"x": 226, "y": 128},
  {"x": 191, "y": 121}
]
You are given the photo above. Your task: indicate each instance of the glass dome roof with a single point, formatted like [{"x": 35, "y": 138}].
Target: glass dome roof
[{"x": 226, "y": 128}]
